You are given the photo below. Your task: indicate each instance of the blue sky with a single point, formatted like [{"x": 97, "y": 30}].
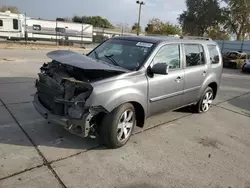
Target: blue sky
[{"x": 117, "y": 11}]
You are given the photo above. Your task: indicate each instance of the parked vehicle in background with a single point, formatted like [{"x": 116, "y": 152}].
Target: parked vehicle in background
[
  {"x": 246, "y": 67},
  {"x": 234, "y": 59},
  {"x": 124, "y": 81},
  {"x": 20, "y": 27}
]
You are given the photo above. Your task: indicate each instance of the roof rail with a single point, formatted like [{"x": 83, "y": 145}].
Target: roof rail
[{"x": 195, "y": 38}]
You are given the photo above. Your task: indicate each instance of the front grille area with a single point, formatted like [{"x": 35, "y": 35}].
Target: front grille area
[{"x": 48, "y": 89}]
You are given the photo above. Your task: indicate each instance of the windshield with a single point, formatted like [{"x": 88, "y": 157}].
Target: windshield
[{"x": 124, "y": 53}]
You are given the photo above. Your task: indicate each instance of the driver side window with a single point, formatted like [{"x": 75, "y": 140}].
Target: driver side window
[{"x": 169, "y": 54}]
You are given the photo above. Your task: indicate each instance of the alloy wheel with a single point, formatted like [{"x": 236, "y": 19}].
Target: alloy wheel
[
  {"x": 207, "y": 101},
  {"x": 125, "y": 125}
]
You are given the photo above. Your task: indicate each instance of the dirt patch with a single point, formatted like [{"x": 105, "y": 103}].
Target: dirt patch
[
  {"x": 208, "y": 142},
  {"x": 11, "y": 59},
  {"x": 6, "y": 59}
]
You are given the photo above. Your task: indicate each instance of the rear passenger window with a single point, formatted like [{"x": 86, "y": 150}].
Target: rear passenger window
[
  {"x": 214, "y": 54},
  {"x": 194, "y": 55}
]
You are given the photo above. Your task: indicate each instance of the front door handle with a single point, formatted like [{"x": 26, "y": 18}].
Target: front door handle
[{"x": 178, "y": 79}]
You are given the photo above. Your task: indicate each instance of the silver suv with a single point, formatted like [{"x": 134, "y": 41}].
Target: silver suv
[{"x": 125, "y": 80}]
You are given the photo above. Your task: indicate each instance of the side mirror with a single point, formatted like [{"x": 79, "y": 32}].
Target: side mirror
[{"x": 160, "y": 68}]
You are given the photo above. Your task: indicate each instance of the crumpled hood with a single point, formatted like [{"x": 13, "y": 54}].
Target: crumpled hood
[{"x": 69, "y": 57}]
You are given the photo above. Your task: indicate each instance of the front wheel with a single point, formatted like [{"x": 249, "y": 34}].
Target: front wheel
[
  {"x": 117, "y": 126},
  {"x": 206, "y": 101}
]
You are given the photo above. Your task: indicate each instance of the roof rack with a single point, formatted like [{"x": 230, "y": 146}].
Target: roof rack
[{"x": 195, "y": 38}]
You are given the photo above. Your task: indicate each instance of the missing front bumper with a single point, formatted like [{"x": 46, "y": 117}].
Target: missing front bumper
[{"x": 80, "y": 127}]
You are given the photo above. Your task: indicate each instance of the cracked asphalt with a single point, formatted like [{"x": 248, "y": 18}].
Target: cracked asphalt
[{"x": 175, "y": 149}]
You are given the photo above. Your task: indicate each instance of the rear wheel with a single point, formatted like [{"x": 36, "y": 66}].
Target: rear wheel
[
  {"x": 206, "y": 101},
  {"x": 117, "y": 126}
]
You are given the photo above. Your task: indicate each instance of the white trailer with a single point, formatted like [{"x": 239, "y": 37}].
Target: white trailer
[
  {"x": 11, "y": 25},
  {"x": 38, "y": 29},
  {"x": 20, "y": 27}
]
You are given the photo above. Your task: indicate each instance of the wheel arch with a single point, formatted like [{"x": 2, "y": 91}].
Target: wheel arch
[
  {"x": 214, "y": 87},
  {"x": 211, "y": 81},
  {"x": 139, "y": 111}
]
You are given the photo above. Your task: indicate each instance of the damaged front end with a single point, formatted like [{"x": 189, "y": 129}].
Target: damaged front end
[{"x": 61, "y": 98}]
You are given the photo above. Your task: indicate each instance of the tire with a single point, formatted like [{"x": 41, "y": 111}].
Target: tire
[
  {"x": 199, "y": 107},
  {"x": 242, "y": 69},
  {"x": 112, "y": 135}
]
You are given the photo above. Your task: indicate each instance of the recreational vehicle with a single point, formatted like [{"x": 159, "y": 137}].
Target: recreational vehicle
[{"x": 19, "y": 27}]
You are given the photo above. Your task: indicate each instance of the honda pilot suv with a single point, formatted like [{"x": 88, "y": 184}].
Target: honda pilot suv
[{"x": 124, "y": 81}]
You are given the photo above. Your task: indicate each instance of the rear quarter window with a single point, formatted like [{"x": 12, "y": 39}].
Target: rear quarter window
[{"x": 214, "y": 54}]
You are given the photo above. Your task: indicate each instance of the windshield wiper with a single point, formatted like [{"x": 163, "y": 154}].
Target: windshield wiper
[{"x": 110, "y": 57}]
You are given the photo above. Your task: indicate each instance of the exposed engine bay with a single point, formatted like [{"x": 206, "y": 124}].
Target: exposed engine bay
[{"x": 63, "y": 89}]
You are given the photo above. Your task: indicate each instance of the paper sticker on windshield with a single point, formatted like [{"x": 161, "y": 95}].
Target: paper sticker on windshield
[{"x": 144, "y": 44}]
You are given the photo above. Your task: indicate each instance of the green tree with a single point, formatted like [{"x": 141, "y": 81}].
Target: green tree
[
  {"x": 200, "y": 15},
  {"x": 96, "y": 21},
  {"x": 217, "y": 33},
  {"x": 156, "y": 26},
  {"x": 135, "y": 27},
  {"x": 12, "y": 9},
  {"x": 66, "y": 19},
  {"x": 170, "y": 29},
  {"x": 238, "y": 13}
]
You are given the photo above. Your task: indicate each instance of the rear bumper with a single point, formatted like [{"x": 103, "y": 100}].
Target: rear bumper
[{"x": 79, "y": 127}]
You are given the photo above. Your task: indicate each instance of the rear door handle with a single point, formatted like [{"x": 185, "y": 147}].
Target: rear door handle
[{"x": 204, "y": 73}]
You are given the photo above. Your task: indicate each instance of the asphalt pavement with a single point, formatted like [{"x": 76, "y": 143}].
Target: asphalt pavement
[{"x": 174, "y": 149}]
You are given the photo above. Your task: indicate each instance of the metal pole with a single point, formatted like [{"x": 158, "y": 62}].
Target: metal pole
[
  {"x": 139, "y": 19},
  {"x": 82, "y": 33},
  {"x": 25, "y": 29},
  {"x": 56, "y": 31},
  {"x": 242, "y": 43}
]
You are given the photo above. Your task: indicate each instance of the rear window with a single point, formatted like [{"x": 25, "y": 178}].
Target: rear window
[
  {"x": 1, "y": 23},
  {"x": 214, "y": 54}
]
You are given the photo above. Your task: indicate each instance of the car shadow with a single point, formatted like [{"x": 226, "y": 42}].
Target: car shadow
[
  {"x": 19, "y": 119},
  {"x": 187, "y": 109}
]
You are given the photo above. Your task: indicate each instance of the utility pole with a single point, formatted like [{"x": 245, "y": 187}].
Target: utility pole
[
  {"x": 56, "y": 31},
  {"x": 82, "y": 33},
  {"x": 139, "y": 17},
  {"x": 25, "y": 29}
]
